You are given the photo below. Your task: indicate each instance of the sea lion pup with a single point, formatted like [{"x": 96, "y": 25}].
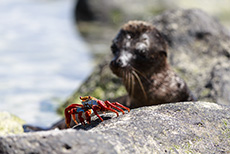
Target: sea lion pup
[{"x": 140, "y": 59}]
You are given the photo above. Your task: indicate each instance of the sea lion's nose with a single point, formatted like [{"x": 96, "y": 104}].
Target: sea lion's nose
[{"x": 117, "y": 62}]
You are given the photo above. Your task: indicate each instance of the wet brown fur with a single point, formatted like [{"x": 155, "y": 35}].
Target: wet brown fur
[{"x": 140, "y": 59}]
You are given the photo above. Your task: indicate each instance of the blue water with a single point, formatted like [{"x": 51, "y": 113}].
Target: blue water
[{"x": 42, "y": 58}]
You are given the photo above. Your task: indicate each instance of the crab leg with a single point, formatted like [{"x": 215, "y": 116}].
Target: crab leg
[
  {"x": 80, "y": 118},
  {"x": 68, "y": 114},
  {"x": 87, "y": 115},
  {"x": 113, "y": 106},
  {"x": 95, "y": 108},
  {"x": 74, "y": 119},
  {"x": 118, "y": 104},
  {"x": 106, "y": 108}
]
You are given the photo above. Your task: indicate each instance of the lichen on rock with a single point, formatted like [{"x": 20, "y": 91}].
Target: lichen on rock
[{"x": 10, "y": 124}]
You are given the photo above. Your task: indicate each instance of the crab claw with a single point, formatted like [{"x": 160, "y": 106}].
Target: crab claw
[
  {"x": 67, "y": 117},
  {"x": 70, "y": 111},
  {"x": 87, "y": 115}
]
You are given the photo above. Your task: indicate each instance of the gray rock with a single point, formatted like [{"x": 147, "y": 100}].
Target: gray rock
[
  {"x": 185, "y": 26},
  {"x": 220, "y": 82},
  {"x": 55, "y": 141},
  {"x": 186, "y": 127},
  {"x": 118, "y": 11},
  {"x": 198, "y": 127},
  {"x": 197, "y": 43}
]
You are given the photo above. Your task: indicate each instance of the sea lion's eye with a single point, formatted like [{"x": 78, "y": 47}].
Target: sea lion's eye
[{"x": 140, "y": 52}]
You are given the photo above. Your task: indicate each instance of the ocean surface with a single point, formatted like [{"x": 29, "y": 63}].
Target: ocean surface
[{"x": 43, "y": 59}]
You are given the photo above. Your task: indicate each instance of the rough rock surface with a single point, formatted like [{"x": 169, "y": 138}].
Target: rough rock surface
[
  {"x": 55, "y": 141},
  {"x": 10, "y": 124},
  {"x": 186, "y": 127},
  {"x": 219, "y": 83}
]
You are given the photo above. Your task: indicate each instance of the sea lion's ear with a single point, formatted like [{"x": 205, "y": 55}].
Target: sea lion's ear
[{"x": 163, "y": 52}]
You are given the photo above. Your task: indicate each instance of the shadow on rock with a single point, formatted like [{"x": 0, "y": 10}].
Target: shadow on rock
[
  {"x": 93, "y": 124},
  {"x": 95, "y": 121}
]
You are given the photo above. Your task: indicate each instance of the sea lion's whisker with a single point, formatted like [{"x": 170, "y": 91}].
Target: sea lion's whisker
[
  {"x": 126, "y": 79},
  {"x": 132, "y": 84},
  {"x": 141, "y": 74},
  {"x": 129, "y": 82},
  {"x": 140, "y": 83},
  {"x": 124, "y": 76}
]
